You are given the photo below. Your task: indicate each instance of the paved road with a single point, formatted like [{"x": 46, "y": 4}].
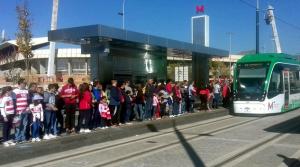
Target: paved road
[{"x": 223, "y": 141}]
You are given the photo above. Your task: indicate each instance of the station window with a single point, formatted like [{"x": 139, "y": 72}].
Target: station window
[
  {"x": 78, "y": 65},
  {"x": 62, "y": 65}
]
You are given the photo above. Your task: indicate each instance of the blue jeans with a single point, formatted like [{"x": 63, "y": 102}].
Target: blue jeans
[
  {"x": 216, "y": 100},
  {"x": 190, "y": 106},
  {"x": 183, "y": 107},
  {"x": 128, "y": 113},
  {"x": 21, "y": 129},
  {"x": 139, "y": 108},
  {"x": 36, "y": 128},
  {"x": 148, "y": 108},
  {"x": 95, "y": 115},
  {"x": 176, "y": 108},
  {"x": 50, "y": 122}
]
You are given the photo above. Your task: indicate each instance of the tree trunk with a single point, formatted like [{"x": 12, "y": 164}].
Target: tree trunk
[{"x": 27, "y": 66}]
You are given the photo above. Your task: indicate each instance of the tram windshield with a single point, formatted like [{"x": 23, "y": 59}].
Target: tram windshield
[{"x": 251, "y": 79}]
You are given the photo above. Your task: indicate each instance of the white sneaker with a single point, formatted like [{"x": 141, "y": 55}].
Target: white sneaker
[
  {"x": 87, "y": 131},
  {"x": 105, "y": 127},
  {"x": 6, "y": 144},
  {"x": 81, "y": 131},
  {"x": 102, "y": 127},
  {"x": 12, "y": 143},
  {"x": 33, "y": 140},
  {"x": 37, "y": 139},
  {"x": 46, "y": 137},
  {"x": 51, "y": 136}
]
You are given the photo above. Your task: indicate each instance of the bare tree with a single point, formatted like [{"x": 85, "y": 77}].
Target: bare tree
[
  {"x": 218, "y": 69},
  {"x": 24, "y": 35}
]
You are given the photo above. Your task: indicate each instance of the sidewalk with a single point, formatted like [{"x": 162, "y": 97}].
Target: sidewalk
[{"x": 63, "y": 143}]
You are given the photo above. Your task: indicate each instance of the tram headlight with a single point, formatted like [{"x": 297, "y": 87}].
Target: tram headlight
[
  {"x": 234, "y": 96},
  {"x": 263, "y": 96}
]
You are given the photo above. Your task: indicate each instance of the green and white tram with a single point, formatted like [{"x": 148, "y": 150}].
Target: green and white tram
[{"x": 266, "y": 84}]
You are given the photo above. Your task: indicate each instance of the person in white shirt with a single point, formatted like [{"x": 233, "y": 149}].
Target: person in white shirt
[
  {"x": 37, "y": 111},
  {"x": 192, "y": 92},
  {"x": 217, "y": 90}
]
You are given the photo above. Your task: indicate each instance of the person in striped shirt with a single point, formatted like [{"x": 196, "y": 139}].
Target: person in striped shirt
[
  {"x": 20, "y": 97},
  {"x": 7, "y": 112}
]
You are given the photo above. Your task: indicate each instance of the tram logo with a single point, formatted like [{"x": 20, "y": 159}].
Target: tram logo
[
  {"x": 271, "y": 105},
  {"x": 246, "y": 109}
]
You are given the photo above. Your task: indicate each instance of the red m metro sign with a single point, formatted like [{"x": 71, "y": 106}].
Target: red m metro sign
[{"x": 200, "y": 9}]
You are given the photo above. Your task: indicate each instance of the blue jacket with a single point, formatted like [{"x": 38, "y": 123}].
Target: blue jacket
[{"x": 97, "y": 94}]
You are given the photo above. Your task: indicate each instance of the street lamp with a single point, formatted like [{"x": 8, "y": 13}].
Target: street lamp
[
  {"x": 123, "y": 15},
  {"x": 257, "y": 26}
]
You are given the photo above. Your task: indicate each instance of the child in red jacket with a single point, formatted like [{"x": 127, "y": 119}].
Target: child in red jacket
[
  {"x": 85, "y": 106},
  {"x": 104, "y": 113}
]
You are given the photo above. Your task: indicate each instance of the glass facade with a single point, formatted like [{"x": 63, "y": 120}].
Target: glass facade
[{"x": 200, "y": 30}]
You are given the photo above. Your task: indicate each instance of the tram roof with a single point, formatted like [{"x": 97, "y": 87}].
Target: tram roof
[
  {"x": 268, "y": 57},
  {"x": 120, "y": 38}
]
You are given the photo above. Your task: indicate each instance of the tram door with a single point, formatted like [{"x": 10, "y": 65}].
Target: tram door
[{"x": 286, "y": 88}]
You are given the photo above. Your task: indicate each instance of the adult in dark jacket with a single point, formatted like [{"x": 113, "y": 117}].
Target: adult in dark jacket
[
  {"x": 128, "y": 106},
  {"x": 149, "y": 90},
  {"x": 122, "y": 103},
  {"x": 114, "y": 102},
  {"x": 139, "y": 103},
  {"x": 60, "y": 104}
]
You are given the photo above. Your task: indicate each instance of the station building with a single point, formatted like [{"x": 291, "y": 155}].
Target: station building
[
  {"x": 106, "y": 53},
  {"x": 127, "y": 55}
]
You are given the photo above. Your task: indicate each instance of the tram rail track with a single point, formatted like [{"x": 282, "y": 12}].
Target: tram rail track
[
  {"x": 153, "y": 149},
  {"x": 116, "y": 145},
  {"x": 237, "y": 156}
]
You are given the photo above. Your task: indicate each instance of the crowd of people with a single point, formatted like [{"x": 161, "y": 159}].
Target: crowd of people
[{"x": 36, "y": 114}]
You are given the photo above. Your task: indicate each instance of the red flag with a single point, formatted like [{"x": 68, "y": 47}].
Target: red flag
[{"x": 200, "y": 9}]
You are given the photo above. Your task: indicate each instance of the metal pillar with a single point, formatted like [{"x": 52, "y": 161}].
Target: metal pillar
[
  {"x": 69, "y": 67},
  {"x": 51, "y": 60},
  {"x": 200, "y": 69},
  {"x": 86, "y": 67},
  {"x": 123, "y": 15}
]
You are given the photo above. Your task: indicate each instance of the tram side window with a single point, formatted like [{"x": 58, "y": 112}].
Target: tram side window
[
  {"x": 294, "y": 82},
  {"x": 276, "y": 85}
]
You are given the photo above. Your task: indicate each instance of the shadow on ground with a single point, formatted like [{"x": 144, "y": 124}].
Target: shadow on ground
[
  {"x": 188, "y": 148},
  {"x": 289, "y": 126},
  {"x": 290, "y": 162}
]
